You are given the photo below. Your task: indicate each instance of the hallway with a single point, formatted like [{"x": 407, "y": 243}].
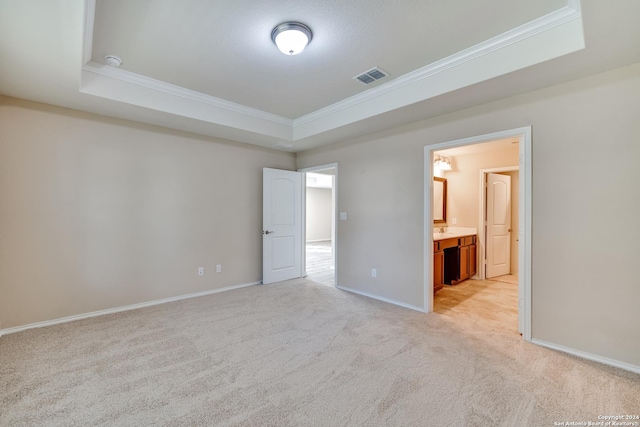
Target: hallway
[{"x": 319, "y": 263}]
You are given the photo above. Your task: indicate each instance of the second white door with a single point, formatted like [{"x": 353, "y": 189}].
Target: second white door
[{"x": 498, "y": 215}]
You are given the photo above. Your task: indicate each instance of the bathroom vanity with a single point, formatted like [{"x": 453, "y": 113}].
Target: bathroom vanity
[{"x": 454, "y": 258}]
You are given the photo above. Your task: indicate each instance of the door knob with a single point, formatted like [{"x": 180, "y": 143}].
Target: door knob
[{"x": 267, "y": 232}]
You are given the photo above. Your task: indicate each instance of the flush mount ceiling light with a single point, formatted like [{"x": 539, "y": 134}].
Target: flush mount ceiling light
[
  {"x": 442, "y": 163},
  {"x": 291, "y": 37}
]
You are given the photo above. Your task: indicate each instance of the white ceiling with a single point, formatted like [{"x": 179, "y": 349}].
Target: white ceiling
[
  {"x": 211, "y": 68},
  {"x": 224, "y": 48}
]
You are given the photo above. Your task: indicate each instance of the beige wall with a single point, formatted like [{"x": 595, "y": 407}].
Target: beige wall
[
  {"x": 318, "y": 214},
  {"x": 585, "y": 277},
  {"x": 97, "y": 213},
  {"x": 463, "y": 183}
]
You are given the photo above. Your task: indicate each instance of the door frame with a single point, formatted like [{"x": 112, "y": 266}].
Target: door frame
[
  {"x": 482, "y": 268},
  {"x": 334, "y": 237},
  {"x": 524, "y": 212}
]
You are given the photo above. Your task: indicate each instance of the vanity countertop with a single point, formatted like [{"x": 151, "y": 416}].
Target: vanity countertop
[
  {"x": 451, "y": 235},
  {"x": 453, "y": 232}
]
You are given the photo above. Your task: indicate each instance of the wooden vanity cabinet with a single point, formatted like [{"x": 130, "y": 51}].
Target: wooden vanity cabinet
[
  {"x": 438, "y": 271},
  {"x": 468, "y": 257},
  {"x": 473, "y": 260},
  {"x": 464, "y": 263},
  {"x": 439, "y": 275},
  {"x": 459, "y": 264}
]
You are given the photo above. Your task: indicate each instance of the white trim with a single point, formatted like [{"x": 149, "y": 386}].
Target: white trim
[
  {"x": 192, "y": 95},
  {"x": 89, "y": 20},
  {"x": 320, "y": 168},
  {"x": 303, "y": 234},
  {"x": 379, "y": 298},
  {"x": 524, "y": 252},
  {"x": 427, "y": 270},
  {"x": 120, "y": 309},
  {"x": 524, "y": 225},
  {"x": 588, "y": 356},
  {"x": 575, "y": 5},
  {"x": 334, "y": 237},
  {"x": 529, "y": 29}
]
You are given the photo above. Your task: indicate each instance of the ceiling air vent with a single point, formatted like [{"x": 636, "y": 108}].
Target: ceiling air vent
[{"x": 371, "y": 76}]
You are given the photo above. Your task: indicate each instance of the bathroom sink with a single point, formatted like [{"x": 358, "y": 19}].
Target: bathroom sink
[
  {"x": 437, "y": 236},
  {"x": 454, "y": 234}
]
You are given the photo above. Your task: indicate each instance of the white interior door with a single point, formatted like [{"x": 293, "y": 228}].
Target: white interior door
[
  {"x": 498, "y": 239},
  {"x": 281, "y": 225}
]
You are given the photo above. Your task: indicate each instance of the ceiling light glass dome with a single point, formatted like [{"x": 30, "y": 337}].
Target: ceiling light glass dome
[{"x": 291, "y": 37}]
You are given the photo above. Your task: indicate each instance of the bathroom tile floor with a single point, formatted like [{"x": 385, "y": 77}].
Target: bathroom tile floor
[
  {"x": 484, "y": 304},
  {"x": 507, "y": 278}
]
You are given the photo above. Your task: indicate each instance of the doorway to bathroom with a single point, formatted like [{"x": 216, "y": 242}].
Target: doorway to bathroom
[{"x": 477, "y": 163}]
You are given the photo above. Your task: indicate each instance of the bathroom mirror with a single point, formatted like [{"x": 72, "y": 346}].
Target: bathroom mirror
[{"x": 439, "y": 200}]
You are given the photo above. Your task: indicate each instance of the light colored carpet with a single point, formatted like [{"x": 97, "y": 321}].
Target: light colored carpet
[{"x": 295, "y": 354}]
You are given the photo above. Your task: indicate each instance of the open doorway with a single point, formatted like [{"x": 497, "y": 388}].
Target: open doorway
[
  {"x": 456, "y": 246},
  {"x": 320, "y": 224},
  {"x": 478, "y": 281}
]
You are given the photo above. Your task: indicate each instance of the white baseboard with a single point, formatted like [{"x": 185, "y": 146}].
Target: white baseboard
[
  {"x": 318, "y": 240},
  {"x": 379, "y": 298},
  {"x": 120, "y": 309},
  {"x": 588, "y": 356}
]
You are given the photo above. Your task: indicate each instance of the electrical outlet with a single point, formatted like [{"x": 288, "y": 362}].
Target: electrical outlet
[
  {"x": 200, "y": 271},
  {"x": 218, "y": 268},
  {"x": 374, "y": 272},
  {"x": 455, "y": 221}
]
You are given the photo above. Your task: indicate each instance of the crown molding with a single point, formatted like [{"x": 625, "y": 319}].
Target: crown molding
[
  {"x": 555, "y": 34},
  {"x": 158, "y": 85},
  {"x": 575, "y": 5},
  {"x": 530, "y": 29}
]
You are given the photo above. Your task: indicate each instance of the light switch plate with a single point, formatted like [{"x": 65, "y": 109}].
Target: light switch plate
[{"x": 343, "y": 216}]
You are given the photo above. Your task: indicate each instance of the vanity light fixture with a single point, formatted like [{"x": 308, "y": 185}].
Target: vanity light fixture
[
  {"x": 291, "y": 37},
  {"x": 442, "y": 163}
]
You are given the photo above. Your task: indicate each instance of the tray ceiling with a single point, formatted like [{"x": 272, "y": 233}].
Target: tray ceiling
[
  {"x": 210, "y": 67},
  {"x": 223, "y": 48}
]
